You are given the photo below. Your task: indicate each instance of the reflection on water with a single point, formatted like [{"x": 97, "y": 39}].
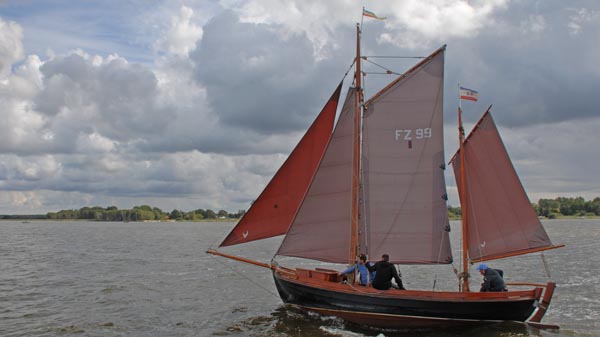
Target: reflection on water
[
  {"x": 292, "y": 322},
  {"x": 284, "y": 321},
  {"x": 153, "y": 279}
]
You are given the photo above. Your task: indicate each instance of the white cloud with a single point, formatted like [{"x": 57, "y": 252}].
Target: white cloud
[
  {"x": 579, "y": 18},
  {"x": 557, "y": 159},
  {"x": 42, "y": 201},
  {"x": 11, "y": 47},
  {"x": 227, "y": 88},
  {"x": 316, "y": 19},
  {"x": 185, "y": 180},
  {"x": 427, "y": 21},
  {"x": 94, "y": 142},
  {"x": 412, "y": 23},
  {"x": 182, "y": 35},
  {"x": 21, "y": 126},
  {"x": 26, "y": 201},
  {"x": 534, "y": 24},
  {"x": 108, "y": 96},
  {"x": 17, "y": 172}
]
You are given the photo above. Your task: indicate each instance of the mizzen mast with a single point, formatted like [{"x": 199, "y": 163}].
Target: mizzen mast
[{"x": 463, "y": 198}]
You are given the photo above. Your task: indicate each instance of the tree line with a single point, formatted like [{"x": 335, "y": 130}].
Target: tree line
[
  {"x": 140, "y": 213},
  {"x": 549, "y": 208},
  {"x": 552, "y": 208}
]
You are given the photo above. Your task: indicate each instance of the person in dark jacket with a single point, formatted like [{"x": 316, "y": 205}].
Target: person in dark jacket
[
  {"x": 384, "y": 272},
  {"x": 492, "y": 279}
]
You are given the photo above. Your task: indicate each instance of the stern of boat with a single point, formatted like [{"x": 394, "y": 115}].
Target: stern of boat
[{"x": 543, "y": 305}]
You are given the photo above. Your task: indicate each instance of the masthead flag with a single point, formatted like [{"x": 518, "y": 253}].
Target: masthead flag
[
  {"x": 468, "y": 94},
  {"x": 370, "y": 14}
]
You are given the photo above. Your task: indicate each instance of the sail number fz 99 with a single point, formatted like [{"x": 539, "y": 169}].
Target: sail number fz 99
[{"x": 411, "y": 134}]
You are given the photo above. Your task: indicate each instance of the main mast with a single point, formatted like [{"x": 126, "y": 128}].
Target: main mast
[{"x": 356, "y": 154}]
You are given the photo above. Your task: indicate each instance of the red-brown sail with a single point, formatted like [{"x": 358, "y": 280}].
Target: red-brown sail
[
  {"x": 501, "y": 221},
  {"x": 321, "y": 230},
  {"x": 273, "y": 211}
]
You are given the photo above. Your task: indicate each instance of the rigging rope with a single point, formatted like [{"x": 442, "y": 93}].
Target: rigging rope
[
  {"x": 439, "y": 256},
  {"x": 362, "y": 291},
  {"x": 244, "y": 277},
  {"x": 387, "y": 71},
  {"x": 349, "y": 68},
  {"x": 395, "y": 57},
  {"x": 546, "y": 268}
]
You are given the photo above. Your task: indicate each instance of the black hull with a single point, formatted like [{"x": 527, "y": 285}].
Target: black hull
[{"x": 366, "y": 308}]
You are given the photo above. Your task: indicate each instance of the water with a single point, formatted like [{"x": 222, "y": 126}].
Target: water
[{"x": 154, "y": 279}]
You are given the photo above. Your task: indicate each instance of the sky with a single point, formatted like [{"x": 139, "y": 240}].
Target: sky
[{"x": 195, "y": 104}]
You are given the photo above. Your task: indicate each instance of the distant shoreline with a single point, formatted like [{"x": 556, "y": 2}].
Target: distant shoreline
[
  {"x": 35, "y": 217},
  {"x": 547, "y": 209},
  {"x": 3, "y": 218}
]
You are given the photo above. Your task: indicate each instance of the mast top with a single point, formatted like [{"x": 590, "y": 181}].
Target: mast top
[{"x": 358, "y": 68}]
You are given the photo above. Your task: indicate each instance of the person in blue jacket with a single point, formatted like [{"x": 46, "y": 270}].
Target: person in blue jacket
[{"x": 365, "y": 276}]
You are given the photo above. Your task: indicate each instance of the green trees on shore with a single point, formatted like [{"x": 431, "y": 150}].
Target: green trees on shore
[
  {"x": 140, "y": 213},
  {"x": 549, "y": 208},
  {"x": 454, "y": 213},
  {"x": 552, "y": 208}
]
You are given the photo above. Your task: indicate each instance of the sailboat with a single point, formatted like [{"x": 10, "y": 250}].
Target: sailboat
[{"x": 373, "y": 183}]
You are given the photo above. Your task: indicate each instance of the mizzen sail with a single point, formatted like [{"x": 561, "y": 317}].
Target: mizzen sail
[
  {"x": 273, "y": 211},
  {"x": 501, "y": 221},
  {"x": 404, "y": 200}
]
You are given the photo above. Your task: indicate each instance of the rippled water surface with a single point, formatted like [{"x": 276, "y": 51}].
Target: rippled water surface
[{"x": 154, "y": 279}]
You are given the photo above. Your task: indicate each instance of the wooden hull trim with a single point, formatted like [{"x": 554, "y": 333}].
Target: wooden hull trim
[
  {"x": 408, "y": 322},
  {"x": 391, "y": 321},
  {"x": 544, "y": 304},
  {"x": 398, "y": 309}
]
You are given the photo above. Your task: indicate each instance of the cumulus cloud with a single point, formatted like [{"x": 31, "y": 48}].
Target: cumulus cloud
[
  {"x": 531, "y": 61},
  {"x": 11, "y": 47},
  {"x": 198, "y": 180},
  {"x": 552, "y": 160},
  {"x": 21, "y": 172},
  {"x": 22, "y": 127},
  {"x": 51, "y": 105},
  {"x": 182, "y": 35},
  {"x": 550, "y": 156},
  {"x": 259, "y": 80},
  {"x": 196, "y": 105},
  {"x": 581, "y": 17},
  {"x": 426, "y": 21},
  {"x": 109, "y": 96},
  {"x": 421, "y": 22},
  {"x": 90, "y": 129},
  {"x": 25, "y": 201},
  {"x": 533, "y": 25}
]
